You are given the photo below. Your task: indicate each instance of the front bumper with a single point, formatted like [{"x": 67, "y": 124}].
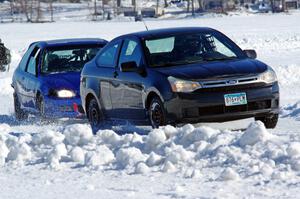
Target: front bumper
[
  {"x": 63, "y": 108},
  {"x": 208, "y": 105}
]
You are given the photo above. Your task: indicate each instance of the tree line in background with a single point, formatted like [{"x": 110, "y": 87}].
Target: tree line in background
[{"x": 34, "y": 9}]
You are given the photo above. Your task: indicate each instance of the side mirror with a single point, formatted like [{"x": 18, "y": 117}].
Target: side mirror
[
  {"x": 130, "y": 66},
  {"x": 251, "y": 54}
]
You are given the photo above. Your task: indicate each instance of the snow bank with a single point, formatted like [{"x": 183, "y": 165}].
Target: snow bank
[
  {"x": 291, "y": 110},
  {"x": 186, "y": 151}
]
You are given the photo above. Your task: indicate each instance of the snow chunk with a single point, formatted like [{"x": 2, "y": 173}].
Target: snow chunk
[
  {"x": 48, "y": 137},
  {"x": 3, "y": 152},
  {"x": 170, "y": 131},
  {"x": 168, "y": 167},
  {"x": 256, "y": 132},
  {"x": 229, "y": 174},
  {"x": 77, "y": 154},
  {"x": 129, "y": 156},
  {"x": 56, "y": 155},
  {"x": 293, "y": 150},
  {"x": 4, "y": 129},
  {"x": 155, "y": 138},
  {"x": 20, "y": 153},
  {"x": 142, "y": 168},
  {"x": 153, "y": 159},
  {"x": 177, "y": 153},
  {"x": 102, "y": 156},
  {"x": 109, "y": 137},
  {"x": 78, "y": 134}
]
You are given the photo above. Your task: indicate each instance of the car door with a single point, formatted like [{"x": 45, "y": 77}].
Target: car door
[
  {"x": 106, "y": 61},
  {"x": 127, "y": 87},
  {"x": 32, "y": 78},
  {"x": 19, "y": 79}
]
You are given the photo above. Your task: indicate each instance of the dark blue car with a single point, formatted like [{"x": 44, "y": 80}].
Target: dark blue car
[
  {"x": 179, "y": 75},
  {"x": 46, "y": 81}
]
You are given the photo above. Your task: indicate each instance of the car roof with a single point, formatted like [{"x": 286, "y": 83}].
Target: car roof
[
  {"x": 75, "y": 41},
  {"x": 168, "y": 31}
]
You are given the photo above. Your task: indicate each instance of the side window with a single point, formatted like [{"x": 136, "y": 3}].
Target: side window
[
  {"x": 33, "y": 61},
  {"x": 23, "y": 62},
  {"x": 131, "y": 51},
  {"x": 108, "y": 56}
]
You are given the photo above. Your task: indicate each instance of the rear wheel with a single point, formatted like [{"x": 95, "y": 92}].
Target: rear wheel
[
  {"x": 270, "y": 121},
  {"x": 19, "y": 113},
  {"x": 156, "y": 112},
  {"x": 94, "y": 114}
]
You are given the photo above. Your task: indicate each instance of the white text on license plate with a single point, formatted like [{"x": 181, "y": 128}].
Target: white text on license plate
[{"x": 235, "y": 99}]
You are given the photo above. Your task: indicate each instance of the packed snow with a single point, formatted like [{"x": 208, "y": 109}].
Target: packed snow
[{"x": 241, "y": 159}]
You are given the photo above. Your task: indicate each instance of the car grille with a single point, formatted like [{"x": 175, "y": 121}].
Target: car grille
[
  {"x": 222, "y": 109},
  {"x": 232, "y": 88}
]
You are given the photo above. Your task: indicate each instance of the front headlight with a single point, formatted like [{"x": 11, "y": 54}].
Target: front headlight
[
  {"x": 183, "y": 86},
  {"x": 268, "y": 77},
  {"x": 64, "y": 93}
]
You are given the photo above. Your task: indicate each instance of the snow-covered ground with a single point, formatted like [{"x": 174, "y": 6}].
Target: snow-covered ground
[{"x": 238, "y": 159}]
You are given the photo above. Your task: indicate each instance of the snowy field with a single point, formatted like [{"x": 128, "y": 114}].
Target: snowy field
[{"x": 238, "y": 159}]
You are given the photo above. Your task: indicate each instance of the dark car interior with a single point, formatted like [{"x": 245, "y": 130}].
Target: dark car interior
[
  {"x": 67, "y": 60},
  {"x": 186, "y": 50}
]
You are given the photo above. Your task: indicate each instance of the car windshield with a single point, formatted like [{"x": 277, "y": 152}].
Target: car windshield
[
  {"x": 190, "y": 48},
  {"x": 67, "y": 59}
]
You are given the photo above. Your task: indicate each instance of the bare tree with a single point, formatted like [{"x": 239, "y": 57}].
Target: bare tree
[
  {"x": 201, "y": 4},
  {"x": 38, "y": 11},
  {"x": 51, "y": 10},
  {"x": 283, "y": 5},
  {"x": 193, "y": 8},
  {"x": 166, "y": 3}
]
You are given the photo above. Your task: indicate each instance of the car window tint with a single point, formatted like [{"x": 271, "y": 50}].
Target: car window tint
[
  {"x": 155, "y": 46},
  {"x": 33, "y": 61},
  {"x": 67, "y": 58},
  {"x": 131, "y": 51},
  {"x": 187, "y": 48},
  {"x": 24, "y": 60},
  {"x": 108, "y": 56},
  {"x": 221, "y": 48}
]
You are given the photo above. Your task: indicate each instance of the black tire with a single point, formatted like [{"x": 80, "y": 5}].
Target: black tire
[
  {"x": 157, "y": 114},
  {"x": 19, "y": 113},
  {"x": 94, "y": 115},
  {"x": 40, "y": 106},
  {"x": 270, "y": 121}
]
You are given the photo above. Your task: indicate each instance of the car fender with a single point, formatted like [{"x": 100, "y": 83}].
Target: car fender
[{"x": 91, "y": 87}]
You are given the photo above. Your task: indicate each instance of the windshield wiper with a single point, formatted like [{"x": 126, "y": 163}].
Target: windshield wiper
[
  {"x": 177, "y": 63},
  {"x": 219, "y": 58}
]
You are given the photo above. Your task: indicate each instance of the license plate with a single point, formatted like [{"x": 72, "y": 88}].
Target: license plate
[{"x": 235, "y": 99}]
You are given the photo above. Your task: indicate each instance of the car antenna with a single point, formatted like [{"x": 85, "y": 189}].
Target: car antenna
[{"x": 145, "y": 24}]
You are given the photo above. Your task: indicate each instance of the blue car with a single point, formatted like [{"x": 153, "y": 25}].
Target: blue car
[{"x": 46, "y": 81}]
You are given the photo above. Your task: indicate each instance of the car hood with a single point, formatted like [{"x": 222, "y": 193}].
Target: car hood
[
  {"x": 70, "y": 80},
  {"x": 217, "y": 69}
]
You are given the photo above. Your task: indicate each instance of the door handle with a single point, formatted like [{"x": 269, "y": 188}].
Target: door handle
[{"x": 116, "y": 74}]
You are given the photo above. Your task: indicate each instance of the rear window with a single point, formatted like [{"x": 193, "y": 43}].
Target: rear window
[{"x": 67, "y": 59}]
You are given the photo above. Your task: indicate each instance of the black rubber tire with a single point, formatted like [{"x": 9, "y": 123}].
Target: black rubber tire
[
  {"x": 270, "y": 121},
  {"x": 19, "y": 113},
  {"x": 40, "y": 106},
  {"x": 94, "y": 115},
  {"x": 157, "y": 113}
]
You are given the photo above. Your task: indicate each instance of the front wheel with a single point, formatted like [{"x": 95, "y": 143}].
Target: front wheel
[
  {"x": 19, "y": 113},
  {"x": 94, "y": 115},
  {"x": 41, "y": 106},
  {"x": 157, "y": 114},
  {"x": 270, "y": 121}
]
